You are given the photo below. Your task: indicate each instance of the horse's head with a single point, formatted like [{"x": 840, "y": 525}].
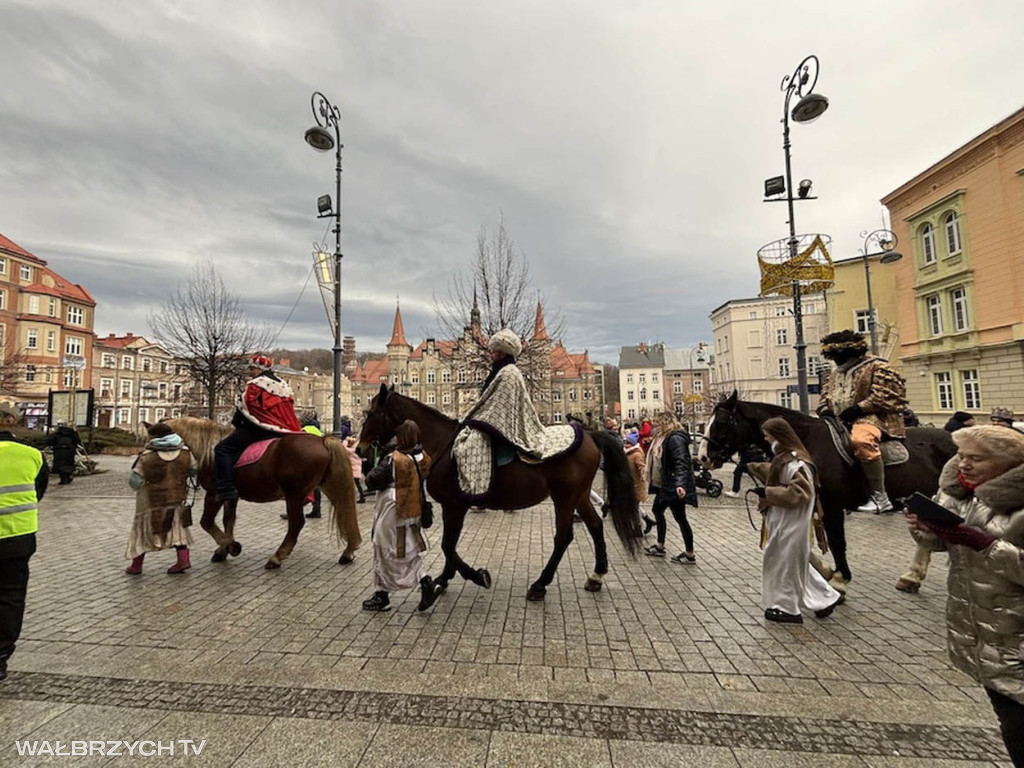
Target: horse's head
[
  {"x": 379, "y": 423},
  {"x": 727, "y": 433}
]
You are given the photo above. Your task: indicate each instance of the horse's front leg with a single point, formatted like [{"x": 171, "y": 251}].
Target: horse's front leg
[
  {"x": 563, "y": 537},
  {"x": 234, "y": 548},
  {"x": 209, "y": 524},
  {"x": 296, "y": 521},
  {"x": 454, "y": 517},
  {"x": 595, "y": 527}
]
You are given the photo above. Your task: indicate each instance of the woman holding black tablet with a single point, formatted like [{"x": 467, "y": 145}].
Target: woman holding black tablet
[{"x": 984, "y": 485}]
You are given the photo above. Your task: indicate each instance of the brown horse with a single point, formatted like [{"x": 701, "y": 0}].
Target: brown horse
[
  {"x": 565, "y": 479},
  {"x": 289, "y": 469}
]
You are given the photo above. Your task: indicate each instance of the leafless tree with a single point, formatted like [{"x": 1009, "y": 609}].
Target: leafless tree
[
  {"x": 12, "y": 370},
  {"x": 204, "y": 324},
  {"x": 496, "y": 283}
]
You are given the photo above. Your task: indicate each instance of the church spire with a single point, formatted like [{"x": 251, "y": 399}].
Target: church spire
[
  {"x": 398, "y": 332},
  {"x": 474, "y": 315},
  {"x": 540, "y": 331}
]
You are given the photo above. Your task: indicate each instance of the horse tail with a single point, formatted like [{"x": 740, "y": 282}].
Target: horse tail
[
  {"x": 340, "y": 488},
  {"x": 621, "y": 492}
]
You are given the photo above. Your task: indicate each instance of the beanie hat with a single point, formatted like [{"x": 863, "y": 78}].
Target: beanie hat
[
  {"x": 632, "y": 438},
  {"x": 962, "y": 416}
]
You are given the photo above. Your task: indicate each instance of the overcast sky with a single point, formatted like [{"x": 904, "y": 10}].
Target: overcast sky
[{"x": 625, "y": 144}]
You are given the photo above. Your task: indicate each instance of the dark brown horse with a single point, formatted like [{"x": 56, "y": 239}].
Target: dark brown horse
[
  {"x": 735, "y": 424},
  {"x": 290, "y": 469},
  {"x": 565, "y": 479}
]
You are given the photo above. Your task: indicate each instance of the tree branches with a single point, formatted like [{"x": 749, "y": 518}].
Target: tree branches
[{"x": 204, "y": 324}]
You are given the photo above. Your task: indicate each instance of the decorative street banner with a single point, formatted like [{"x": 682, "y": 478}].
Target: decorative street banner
[{"x": 812, "y": 266}]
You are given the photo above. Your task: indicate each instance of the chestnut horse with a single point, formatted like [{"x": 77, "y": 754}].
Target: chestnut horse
[
  {"x": 566, "y": 479},
  {"x": 289, "y": 469}
]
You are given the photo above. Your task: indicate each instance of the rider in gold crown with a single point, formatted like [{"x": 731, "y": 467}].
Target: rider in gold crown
[{"x": 868, "y": 395}]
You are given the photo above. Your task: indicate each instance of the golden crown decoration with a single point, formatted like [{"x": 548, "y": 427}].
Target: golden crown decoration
[{"x": 811, "y": 266}]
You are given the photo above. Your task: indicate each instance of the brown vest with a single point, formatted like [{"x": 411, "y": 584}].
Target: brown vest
[{"x": 407, "y": 484}]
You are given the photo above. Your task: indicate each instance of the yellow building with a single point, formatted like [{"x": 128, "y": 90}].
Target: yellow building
[
  {"x": 847, "y": 301},
  {"x": 961, "y": 283}
]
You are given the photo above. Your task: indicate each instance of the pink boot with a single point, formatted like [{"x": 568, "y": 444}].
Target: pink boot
[
  {"x": 183, "y": 563},
  {"x": 136, "y": 567}
]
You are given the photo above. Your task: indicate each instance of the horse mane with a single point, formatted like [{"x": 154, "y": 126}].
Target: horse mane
[
  {"x": 432, "y": 411},
  {"x": 765, "y": 411},
  {"x": 200, "y": 435}
]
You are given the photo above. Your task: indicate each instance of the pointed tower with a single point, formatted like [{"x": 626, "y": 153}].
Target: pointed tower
[
  {"x": 474, "y": 315},
  {"x": 540, "y": 330},
  {"x": 539, "y": 363},
  {"x": 399, "y": 351}
]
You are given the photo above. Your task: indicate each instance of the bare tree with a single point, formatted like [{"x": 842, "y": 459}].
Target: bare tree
[
  {"x": 495, "y": 292},
  {"x": 204, "y": 324}
]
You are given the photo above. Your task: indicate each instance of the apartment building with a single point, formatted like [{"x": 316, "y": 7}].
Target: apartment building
[
  {"x": 46, "y": 330},
  {"x": 961, "y": 283},
  {"x": 753, "y": 348},
  {"x": 136, "y": 381}
]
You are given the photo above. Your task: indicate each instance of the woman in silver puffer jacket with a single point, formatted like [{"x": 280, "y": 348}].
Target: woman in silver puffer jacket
[{"x": 984, "y": 484}]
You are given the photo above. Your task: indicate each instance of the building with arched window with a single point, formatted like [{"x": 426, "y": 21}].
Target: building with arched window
[{"x": 960, "y": 285}]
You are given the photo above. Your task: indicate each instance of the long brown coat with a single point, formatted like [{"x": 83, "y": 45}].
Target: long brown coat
[{"x": 637, "y": 466}]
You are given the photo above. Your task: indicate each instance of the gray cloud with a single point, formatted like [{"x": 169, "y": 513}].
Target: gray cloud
[{"x": 624, "y": 144}]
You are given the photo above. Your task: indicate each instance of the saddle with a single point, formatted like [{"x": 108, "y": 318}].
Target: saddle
[
  {"x": 254, "y": 452},
  {"x": 893, "y": 450}
]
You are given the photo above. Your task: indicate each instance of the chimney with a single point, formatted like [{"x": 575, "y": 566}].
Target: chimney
[{"x": 641, "y": 348}]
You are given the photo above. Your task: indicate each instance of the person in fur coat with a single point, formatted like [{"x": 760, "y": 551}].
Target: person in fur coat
[{"x": 984, "y": 484}]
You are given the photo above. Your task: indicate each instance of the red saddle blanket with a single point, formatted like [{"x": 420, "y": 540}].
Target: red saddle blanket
[{"x": 255, "y": 452}]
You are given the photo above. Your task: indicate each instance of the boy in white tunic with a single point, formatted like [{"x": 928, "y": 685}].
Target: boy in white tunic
[{"x": 788, "y": 582}]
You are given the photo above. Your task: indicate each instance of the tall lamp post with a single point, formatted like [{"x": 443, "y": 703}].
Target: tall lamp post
[
  {"x": 319, "y": 138},
  {"x": 809, "y": 108},
  {"x": 885, "y": 241}
]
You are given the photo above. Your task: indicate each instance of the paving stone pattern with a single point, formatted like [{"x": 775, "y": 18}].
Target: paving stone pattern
[
  {"x": 688, "y": 638},
  {"x": 552, "y": 718}
]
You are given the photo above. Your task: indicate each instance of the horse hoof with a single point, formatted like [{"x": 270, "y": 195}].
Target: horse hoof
[
  {"x": 219, "y": 556},
  {"x": 536, "y": 593},
  {"x": 484, "y": 578},
  {"x": 592, "y": 585},
  {"x": 271, "y": 566},
  {"x": 910, "y": 587},
  {"x": 234, "y": 549},
  {"x": 346, "y": 559}
]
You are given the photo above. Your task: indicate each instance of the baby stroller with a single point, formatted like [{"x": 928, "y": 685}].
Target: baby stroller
[{"x": 703, "y": 479}]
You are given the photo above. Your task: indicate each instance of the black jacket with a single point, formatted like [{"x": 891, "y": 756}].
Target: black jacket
[
  {"x": 677, "y": 469},
  {"x": 64, "y": 442}
]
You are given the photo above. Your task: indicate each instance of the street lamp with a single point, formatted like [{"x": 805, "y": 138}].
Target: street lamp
[
  {"x": 809, "y": 108},
  {"x": 319, "y": 138},
  {"x": 885, "y": 240}
]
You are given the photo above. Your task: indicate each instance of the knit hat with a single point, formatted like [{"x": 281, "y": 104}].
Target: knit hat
[
  {"x": 962, "y": 416},
  {"x": 632, "y": 438},
  {"x": 507, "y": 342}
]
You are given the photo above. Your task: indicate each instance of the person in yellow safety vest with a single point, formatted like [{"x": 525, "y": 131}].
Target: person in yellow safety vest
[
  {"x": 23, "y": 479},
  {"x": 311, "y": 424}
]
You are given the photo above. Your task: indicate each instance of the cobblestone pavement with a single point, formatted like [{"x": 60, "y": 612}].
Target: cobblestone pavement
[{"x": 668, "y": 664}]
